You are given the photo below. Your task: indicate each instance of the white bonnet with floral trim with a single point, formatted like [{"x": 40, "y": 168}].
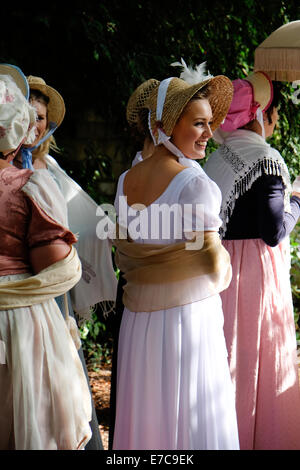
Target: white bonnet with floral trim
[{"x": 17, "y": 116}]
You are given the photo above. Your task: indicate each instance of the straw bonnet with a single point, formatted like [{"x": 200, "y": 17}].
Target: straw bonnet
[
  {"x": 136, "y": 112},
  {"x": 252, "y": 96},
  {"x": 262, "y": 89},
  {"x": 179, "y": 93},
  {"x": 56, "y": 106},
  {"x": 16, "y": 114}
]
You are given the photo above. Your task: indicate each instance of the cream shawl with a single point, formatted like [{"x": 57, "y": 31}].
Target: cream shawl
[
  {"x": 165, "y": 276},
  {"x": 49, "y": 283}
]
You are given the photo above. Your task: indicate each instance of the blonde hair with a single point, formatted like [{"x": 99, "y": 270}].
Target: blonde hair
[{"x": 45, "y": 147}]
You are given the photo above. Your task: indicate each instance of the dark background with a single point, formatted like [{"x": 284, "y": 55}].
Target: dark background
[{"x": 95, "y": 53}]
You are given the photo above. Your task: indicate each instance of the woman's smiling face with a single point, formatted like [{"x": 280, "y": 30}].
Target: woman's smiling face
[{"x": 192, "y": 130}]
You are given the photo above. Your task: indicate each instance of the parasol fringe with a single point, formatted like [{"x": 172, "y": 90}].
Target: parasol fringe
[{"x": 280, "y": 64}]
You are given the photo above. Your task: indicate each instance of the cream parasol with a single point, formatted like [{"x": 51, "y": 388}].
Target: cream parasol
[{"x": 279, "y": 54}]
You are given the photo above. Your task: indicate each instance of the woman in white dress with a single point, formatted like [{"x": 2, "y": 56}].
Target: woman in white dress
[{"x": 173, "y": 384}]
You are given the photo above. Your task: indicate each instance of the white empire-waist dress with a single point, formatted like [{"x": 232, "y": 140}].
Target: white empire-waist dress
[{"x": 173, "y": 386}]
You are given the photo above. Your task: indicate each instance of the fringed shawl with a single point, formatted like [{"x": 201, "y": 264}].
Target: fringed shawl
[{"x": 240, "y": 160}]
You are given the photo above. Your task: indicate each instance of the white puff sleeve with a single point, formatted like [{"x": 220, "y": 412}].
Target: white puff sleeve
[{"x": 201, "y": 203}]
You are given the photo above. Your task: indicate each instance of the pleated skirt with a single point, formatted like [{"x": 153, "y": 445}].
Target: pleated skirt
[{"x": 174, "y": 389}]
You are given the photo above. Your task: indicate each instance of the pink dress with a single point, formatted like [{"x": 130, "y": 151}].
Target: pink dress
[
  {"x": 45, "y": 402},
  {"x": 258, "y": 309},
  {"x": 260, "y": 337}
]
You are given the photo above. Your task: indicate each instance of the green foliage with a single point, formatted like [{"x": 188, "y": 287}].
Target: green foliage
[
  {"x": 96, "y": 341},
  {"x": 94, "y": 169},
  {"x": 286, "y": 137},
  {"x": 155, "y": 34}
]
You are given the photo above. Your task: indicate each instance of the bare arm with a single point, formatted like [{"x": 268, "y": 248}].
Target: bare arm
[{"x": 43, "y": 256}]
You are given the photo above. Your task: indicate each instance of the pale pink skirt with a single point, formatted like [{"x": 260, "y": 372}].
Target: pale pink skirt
[{"x": 260, "y": 336}]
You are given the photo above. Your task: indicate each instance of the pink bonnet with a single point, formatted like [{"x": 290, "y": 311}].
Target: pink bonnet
[{"x": 256, "y": 91}]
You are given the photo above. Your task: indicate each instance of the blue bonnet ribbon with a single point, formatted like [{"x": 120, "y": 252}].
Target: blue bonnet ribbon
[{"x": 27, "y": 152}]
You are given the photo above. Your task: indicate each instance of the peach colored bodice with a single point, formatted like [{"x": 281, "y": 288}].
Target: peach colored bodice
[{"x": 23, "y": 224}]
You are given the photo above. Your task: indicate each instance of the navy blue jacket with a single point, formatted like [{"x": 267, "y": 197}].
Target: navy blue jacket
[{"x": 259, "y": 213}]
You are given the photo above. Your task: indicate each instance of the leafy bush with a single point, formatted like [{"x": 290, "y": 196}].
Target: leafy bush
[{"x": 96, "y": 340}]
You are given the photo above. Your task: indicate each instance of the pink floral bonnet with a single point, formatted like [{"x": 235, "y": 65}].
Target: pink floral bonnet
[{"x": 17, "y": 116}]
